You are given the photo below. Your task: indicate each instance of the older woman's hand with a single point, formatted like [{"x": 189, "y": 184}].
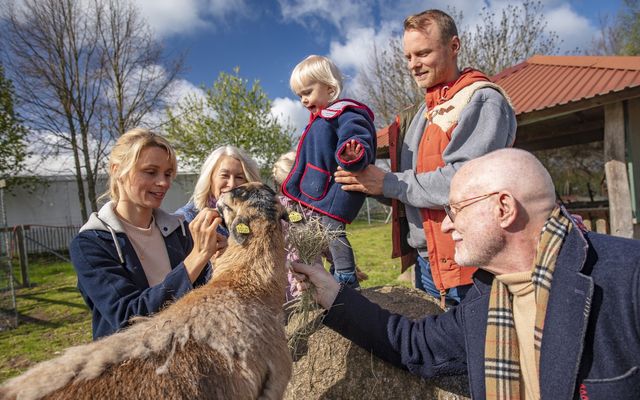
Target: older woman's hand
[
  {"x": 203, "y": 230},
  {"x": 221, "y": 246}
]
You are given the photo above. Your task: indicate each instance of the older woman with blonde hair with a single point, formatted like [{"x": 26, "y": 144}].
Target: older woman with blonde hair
[
  {"x": 131, "y": 257},
  {"x": 226, "y": 168}
]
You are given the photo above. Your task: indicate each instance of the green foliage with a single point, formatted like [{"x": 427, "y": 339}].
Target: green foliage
[
  {"x": 13, "y": 148},
  {"x": 629, "y": 25},
  {"x": 231, "y": 113},
  {"x": 619, "y": 35}
]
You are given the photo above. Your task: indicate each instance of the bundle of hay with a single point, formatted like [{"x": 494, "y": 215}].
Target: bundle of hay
[{"x": 331, "y": 367}]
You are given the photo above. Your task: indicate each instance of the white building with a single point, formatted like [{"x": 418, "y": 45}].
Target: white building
[{"x": 55, "y": 201}]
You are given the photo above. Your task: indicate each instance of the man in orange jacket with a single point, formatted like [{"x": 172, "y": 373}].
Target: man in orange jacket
[{"x": 463, "y": 116}]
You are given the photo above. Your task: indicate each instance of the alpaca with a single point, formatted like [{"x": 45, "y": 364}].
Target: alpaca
[{"x": 224, "y": 340}]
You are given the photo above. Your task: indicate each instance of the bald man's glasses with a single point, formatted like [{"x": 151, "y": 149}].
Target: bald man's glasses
[{"x": 452, "y": 209}]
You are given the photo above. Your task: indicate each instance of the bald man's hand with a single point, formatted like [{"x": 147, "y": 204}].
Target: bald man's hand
[{"x": 368, "y": 181}]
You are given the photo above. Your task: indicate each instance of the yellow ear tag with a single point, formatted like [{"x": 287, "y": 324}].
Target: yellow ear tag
[
  {"x": 243, "y": 228},
  {"x": 295, "y": 216}
]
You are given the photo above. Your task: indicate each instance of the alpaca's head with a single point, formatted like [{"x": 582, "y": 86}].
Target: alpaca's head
[{"x": 250, "y": 208}]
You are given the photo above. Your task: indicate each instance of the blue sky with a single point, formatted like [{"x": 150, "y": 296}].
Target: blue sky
[{"x": 266, "y": 38}]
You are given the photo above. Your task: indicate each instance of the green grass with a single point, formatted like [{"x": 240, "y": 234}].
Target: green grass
[
  {"x": 53, "y": 316},
  {"x": 372, "y": 247}
]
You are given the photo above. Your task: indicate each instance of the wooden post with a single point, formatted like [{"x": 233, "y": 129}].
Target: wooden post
[
  {"x": 615, "y": 168},
  {"x": 632, "y": 124},
  {"x": 24, "y": 259}
]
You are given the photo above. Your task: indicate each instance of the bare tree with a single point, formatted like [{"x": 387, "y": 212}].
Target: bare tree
[
  {"x": 619, "y": 35},
  {"x": 386, "y": 83},
  {"x": 136, "y": 76},
  {"x": 498, "y": 43},
  {"x": 84, "y": 72}
]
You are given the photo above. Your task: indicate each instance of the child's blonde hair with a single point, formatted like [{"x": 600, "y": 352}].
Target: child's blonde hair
[
  {"x": 282, "y": 167},
  {"x": 126, "y": 152},
  {"x": 316, "y": 69},
  {"x": 202, "y": 191}
]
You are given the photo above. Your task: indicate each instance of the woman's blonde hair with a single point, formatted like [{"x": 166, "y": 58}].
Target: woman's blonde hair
[
  {"x": 126, "y": 152},
  {"x": 316, "y": 69},
  {"x": 282, "y": 167},
  {"x": 202, "y": 191}
]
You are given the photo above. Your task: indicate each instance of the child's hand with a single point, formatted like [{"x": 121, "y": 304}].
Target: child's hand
[{"x": 352, "y": 150}]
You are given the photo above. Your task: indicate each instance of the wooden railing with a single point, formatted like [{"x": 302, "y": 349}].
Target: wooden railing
[{"x": 595, "y": 216}]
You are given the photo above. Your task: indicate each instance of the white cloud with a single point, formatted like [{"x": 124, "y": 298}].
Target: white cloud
[
  {"x": 339, "y": 14},
  {"x": 573, "y": 29},
  {"x": 355, "y": 52},
  {"x": 291, "y": 112},
  {"x": 180, "y": 89},
  {"x": 170, "y": 17}
]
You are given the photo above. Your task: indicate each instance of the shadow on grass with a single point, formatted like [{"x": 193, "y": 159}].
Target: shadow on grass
[
  {"x": 23, "y": 318},
  {"x": 52, "y": 301}
]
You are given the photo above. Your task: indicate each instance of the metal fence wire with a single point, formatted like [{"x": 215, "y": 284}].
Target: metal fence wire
[
  {"x": 8, "y": 309},
  {"x": 373, "y": 211}
]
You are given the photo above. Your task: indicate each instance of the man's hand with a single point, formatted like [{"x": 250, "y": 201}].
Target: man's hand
[
  {"x": 368, "y": 181},
  {"x": 326, "y": 286}
]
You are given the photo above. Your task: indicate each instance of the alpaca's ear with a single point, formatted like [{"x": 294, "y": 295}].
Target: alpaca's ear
[{"x": 240, "y": 230}]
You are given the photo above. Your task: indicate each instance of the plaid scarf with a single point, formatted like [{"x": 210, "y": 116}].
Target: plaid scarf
[{"x": 501, "y": 354}]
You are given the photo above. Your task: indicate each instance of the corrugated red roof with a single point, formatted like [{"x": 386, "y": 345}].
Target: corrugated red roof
[{"x": 547, "y": 81}]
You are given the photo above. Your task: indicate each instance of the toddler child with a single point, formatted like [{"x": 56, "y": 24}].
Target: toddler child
[{"x": 341, "y": 134}]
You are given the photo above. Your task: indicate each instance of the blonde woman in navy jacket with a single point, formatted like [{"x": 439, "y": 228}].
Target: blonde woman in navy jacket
[
  {"x": 131, "y": 257},
  {"x": 340, "y": 134}
]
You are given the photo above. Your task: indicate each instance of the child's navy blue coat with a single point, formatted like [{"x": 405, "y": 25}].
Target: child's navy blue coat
[{"x": 310, "y": 181}]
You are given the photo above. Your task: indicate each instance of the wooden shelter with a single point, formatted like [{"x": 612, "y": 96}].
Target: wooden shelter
[{"x": 568, "y": 100}]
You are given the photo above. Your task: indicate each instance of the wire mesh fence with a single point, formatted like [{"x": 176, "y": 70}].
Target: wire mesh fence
[
  {"x": 8, "y": 310},
  {"x": 373, "y": 211}
]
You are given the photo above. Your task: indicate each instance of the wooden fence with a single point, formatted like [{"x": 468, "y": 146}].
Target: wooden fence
[{"x": 596, "y": 219}]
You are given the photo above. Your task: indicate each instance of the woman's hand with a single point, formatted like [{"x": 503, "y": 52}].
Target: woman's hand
[{"x": 203, "y": 230}]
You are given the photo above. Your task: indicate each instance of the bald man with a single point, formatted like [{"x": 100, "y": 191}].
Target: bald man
[{"x": 554, "y": 312}]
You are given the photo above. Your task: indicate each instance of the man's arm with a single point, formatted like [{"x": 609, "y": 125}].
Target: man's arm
[
  {"x": 428, "y": 347},
  {"x": 487, "y": 123}
]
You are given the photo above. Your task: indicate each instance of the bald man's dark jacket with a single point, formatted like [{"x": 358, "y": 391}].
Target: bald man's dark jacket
[{"x": 591, "y": 340}]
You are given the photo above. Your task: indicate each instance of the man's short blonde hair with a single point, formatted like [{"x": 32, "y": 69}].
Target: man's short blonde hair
[
  {"x": 316, "y": 69},
  {"x": 421, "y": 22}
]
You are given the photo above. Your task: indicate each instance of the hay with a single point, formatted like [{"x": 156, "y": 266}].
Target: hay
[{"x": 309, "y": 238}]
